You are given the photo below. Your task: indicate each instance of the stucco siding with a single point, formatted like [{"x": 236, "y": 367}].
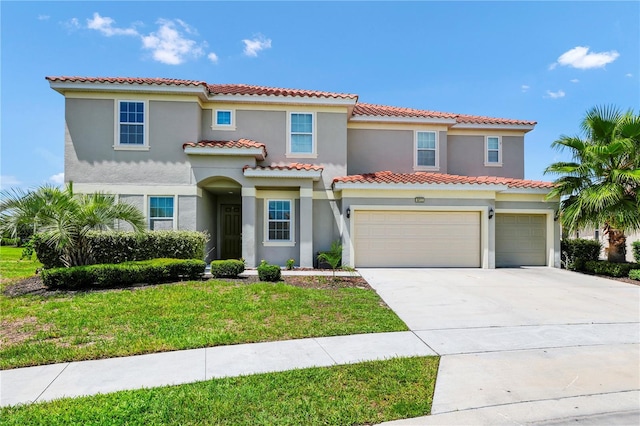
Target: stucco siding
[
  {"x": 466, "y": 156},
  {"x": 326, "y": 217},
  {"x": 90, "y": 155},
  {"x": 376, "y": 150},
  {"x": 187, "y": 208},
  {"x": 134, "y": 200}
]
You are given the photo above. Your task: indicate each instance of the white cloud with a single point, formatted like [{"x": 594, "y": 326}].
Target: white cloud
[
  {"x": 71, "y": 24},
  {"x": 43, "y": 17},
  {"x": 169, "y": 45},
  {"x": 213, "y": 57},
  {"x": 574, "y": 80},
  {"x": 58, "y": 179},
  {"x": 7, "y": 181},
  {"x": 524, "y": 87},
  {"x": 555, "y": 95},
  {"x": 252, "y": 47},
  {"x": 104, "y": 24},
  {"x": 580, "y": 57},
  {"x": 628, "y": 74}
]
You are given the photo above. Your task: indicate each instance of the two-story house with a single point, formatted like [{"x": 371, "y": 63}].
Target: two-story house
[{"x": 279, "y": 174}]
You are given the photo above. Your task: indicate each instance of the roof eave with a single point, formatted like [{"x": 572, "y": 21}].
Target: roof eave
[
  {"x": 283, "y": 174},
  {"x": 339, "y": 186},
  {"x": 68, "y": 86},
  {"x": 294, "y": 100},
  {"x": 523, "y": 127},
  {"x": 393, "y": 119},
  {"x": 258, "y": 153}
]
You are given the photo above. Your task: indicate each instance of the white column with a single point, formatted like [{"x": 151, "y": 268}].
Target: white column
[
  {"x": 306, "y": 227},
  {"x": 249, "y": 226}
]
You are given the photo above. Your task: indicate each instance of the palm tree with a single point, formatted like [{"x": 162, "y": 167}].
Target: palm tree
[
  {"x": 64, "y": 219},
  {"x": 600, "y": 186}
]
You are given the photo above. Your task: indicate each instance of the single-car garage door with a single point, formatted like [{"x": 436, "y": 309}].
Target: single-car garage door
[
  {"x": 521, "y": 239},
  {"x": 416, "y": 239}
]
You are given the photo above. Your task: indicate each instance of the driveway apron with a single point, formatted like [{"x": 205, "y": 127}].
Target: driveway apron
[{"x": 522, "y": 345}]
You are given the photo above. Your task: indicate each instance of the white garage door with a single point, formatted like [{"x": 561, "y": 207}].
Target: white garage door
[
  {"x": 417, "y": 239},
  {"x": 521, "y": 239}
]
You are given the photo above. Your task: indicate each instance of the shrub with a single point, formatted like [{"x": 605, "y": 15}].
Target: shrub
[
  {"x": 9, "y": 241},
  {"x": 118, "y": 247},
  {"x": 634, "y": 274},
  {"x": 576, "y": 252},
  {"x": 227, "y": 268},
  {"x": 610, "y": 269},
  {"x": 267, "y": 272},
  {"x": 123, "y": 274},
  {"x": 636, "y": 251},
  {"x": 291, "y": 264}
]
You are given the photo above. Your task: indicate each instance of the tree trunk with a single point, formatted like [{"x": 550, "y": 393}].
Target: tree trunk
[{"x": 617, "y": 246}]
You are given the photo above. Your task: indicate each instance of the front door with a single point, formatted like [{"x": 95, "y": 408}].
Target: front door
[{"x": 231, "y": 232}]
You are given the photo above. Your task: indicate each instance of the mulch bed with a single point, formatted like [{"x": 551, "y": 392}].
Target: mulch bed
[{"x": 34, "y": 285}]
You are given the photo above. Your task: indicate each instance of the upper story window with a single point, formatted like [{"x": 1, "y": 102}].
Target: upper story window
[
  {"x": 493, "y": 151},
  {"x": 301, "y": 134},
  {"x": 131, "y": 123},
  {"x": 426, "y": 151},
  {"x": 161, "y": 212},
  {"x": 223, "y": 118},
  {"x": 279, "y": 221}
]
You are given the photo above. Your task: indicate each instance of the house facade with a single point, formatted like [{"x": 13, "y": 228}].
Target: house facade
[{"x": 279, "y": 174}]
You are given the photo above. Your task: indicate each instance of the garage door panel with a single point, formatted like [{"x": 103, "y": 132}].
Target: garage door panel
[
  {"x": 417, "y": 239},
  {"x": 520, "y": 240}
]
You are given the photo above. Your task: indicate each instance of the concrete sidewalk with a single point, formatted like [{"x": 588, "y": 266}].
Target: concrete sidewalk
[{"x": 72, "y": 379}]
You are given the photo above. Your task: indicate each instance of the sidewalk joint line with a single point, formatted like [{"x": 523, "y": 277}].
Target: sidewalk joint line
[
  {"x": 50, "y": 383},
  {"x": 425, "y": 343},
  {"x": 315, "y": 339}
]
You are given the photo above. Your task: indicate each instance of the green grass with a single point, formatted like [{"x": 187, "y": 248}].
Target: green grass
[
  {"x": 42, "y": 330},
  {"x": 12, "y": 268},
  {"x": 364, "y": 393}
]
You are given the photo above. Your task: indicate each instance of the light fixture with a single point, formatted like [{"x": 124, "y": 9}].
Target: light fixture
[
  {"x": 348, "y": 212},
  {"x": 490, "y": 212}
]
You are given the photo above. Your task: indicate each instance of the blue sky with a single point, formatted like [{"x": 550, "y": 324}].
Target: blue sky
[{"x": 542, "y": 61}]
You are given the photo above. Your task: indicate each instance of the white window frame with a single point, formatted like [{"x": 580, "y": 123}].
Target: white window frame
[
  {"x": 214, "y": 119},
  {"x": 488, "y": 163},
  {"x": 314, "y": 145},
  {"x": 174, "y": 220},
  {"x": 292, "y": 225},
  {"x": 436, "y": 166},
  {"x": 129, "y": 147}
]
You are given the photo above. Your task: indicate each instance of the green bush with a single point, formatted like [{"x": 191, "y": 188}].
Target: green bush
[
  {"x": 634, "y": 274},
  {"x": 636, "y": 251},
  {"x": 230, "y": 268},
  {"x": 267, "y": 272},
  {"x": 577, "y": 251},
  {"x": 123, "y": 274},
  {"x": 610, "y": 269},
  {"x": 118, "y": 247},
  {"x": 9, "y": 241}
]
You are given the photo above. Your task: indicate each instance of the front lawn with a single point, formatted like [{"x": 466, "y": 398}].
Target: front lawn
[
  {"x": 13, "y": 268},
  {"x": 90, "y": 325},
  {"x": 365, "y": 393}
]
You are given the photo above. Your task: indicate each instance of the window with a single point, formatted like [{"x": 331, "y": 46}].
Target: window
[
  {"x": 493, "y": 150},
  {"x": 279, "y": 220},
  {"x": 160, "y": 213},
  {"x": 223, "y": 118},
  {"x": 301, "y": 133},
  {"x": 131, "y": 123},
  {"x": 426, "y": 150}
]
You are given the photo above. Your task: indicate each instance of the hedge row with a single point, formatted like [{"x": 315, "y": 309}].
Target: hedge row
[
  {"x": 123, "y": 274},
  {"x": 611, "y": 269},
  {"x": 118, "y": 247},
  {"x": 227, "y": 268},
  {"x": 577, "y": 251},
  {"x": 636, "y": 251},
  {"x": 634, "y": 274}
]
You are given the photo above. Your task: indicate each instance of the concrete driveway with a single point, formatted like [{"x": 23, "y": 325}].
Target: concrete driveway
[{"x": 527, "y": 345}]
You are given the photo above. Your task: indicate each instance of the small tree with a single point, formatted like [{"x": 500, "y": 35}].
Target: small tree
[
  {"x": 333, "y": 257},
  {"x": 64, "y": 219}
]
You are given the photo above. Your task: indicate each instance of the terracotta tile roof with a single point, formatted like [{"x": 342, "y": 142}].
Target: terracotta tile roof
[
  {"x": 290, "y": 166},
  {"x": 390, "y": 111},
  {"x": 363, "y": 109},
  {"x": 240, "y": 143},
  {"x": 387, "y": 177},
  {"x": 245, "y": 89},
  {"x": 127, "y": 80}
]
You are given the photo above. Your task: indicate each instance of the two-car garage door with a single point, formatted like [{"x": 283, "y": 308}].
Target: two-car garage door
[
  {"x": 417, "y": 239},
  {"x": 445, "y": 239}
]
